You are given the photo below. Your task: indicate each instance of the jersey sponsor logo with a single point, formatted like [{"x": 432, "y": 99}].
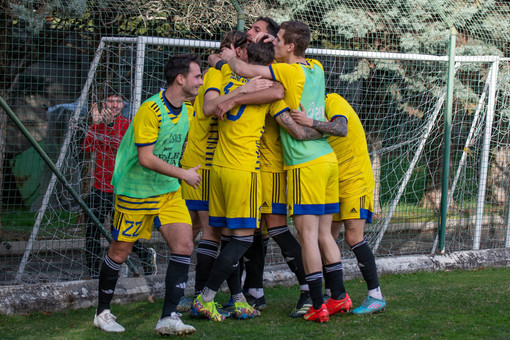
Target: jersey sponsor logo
[{"x": 316, "y": 112}]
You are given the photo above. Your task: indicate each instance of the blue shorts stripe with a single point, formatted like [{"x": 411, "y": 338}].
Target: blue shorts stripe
[
  {"x": 366, "y": 214},
  {"x": 279, "y": 209},
  {"x": 331, "y": 208},
  {"x": 315, "y": 209},
  {"x": 242, "y": 223},
  {"x": 217, "y": 221},
  {"x": 140, "y": 209},
  {"x": 197, "y": 205}
]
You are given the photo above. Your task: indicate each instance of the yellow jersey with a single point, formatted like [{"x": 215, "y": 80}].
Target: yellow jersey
[
  {"x": 304, "y": 84},
  {"x": 241, "y": 129},
  {"x": 203, "y": 131},
  {"x": 355, "y": 176}
]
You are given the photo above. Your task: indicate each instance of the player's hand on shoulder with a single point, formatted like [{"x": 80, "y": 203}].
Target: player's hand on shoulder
[
  {"x": 192, "y": 177},
  {"x": 222, "y": 108},
  {"x": 256, "y": 84},
  {"x": 213, "y": 59},
  {"x": 228, "y": 53}
]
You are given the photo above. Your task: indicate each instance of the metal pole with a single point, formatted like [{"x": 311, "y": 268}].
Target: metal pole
[
  {"x": 447, "y": 137},
  {"x": 240, "y": 16},
  {"x": 486, "y": 148}
]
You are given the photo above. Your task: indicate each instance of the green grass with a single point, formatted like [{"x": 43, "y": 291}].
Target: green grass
[{"x": 441, "y": 305}]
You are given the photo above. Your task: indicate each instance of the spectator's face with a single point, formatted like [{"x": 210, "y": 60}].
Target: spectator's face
[
  {"x": 258, "y": 26},
  {"x": 114, "y": 104},
  {"x": 192, "y": 81}
]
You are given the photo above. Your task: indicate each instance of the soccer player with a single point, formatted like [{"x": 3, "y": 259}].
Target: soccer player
[
  {"x": 356, "y": 184},
  {"x": 236, "y": 161},
  {"x": 146, "y": 183},
  {"x": 261, "y": 27},
  {"x": 202, "y": 140},
  {"x": 312, "y": 175}
]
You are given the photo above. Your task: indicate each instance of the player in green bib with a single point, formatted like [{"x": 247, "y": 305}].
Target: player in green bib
[{"x": 147, "y": 192}]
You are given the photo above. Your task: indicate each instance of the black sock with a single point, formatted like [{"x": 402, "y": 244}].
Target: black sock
[
  {"x": 227, "y": 261},
  {"x": 314, "y": 281},
  {"x": 366, "y": 264},
  {"x": 254, "y": 263},
  {"x": 334, "y": 280},
  {"x": 234, "y": 280},
  {"x": 108, "y": 277},
  {"x": 207, "y": 251},
  {"x": 291, "y": 250},
  {"x": 265, "y": 242},
  {"x": 175, "y": 282}
]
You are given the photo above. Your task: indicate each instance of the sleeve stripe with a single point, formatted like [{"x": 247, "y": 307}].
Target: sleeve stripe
[
  {"x": 338, "y": 116},
  {"x": 281, "y": 111},
  {"x": 272, "y": 72},
  {"x": 145, "y": 144}
]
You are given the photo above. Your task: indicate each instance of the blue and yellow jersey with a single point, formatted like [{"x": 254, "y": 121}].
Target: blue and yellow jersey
[
  {"x": 355, "y": 174},
  {"x": 191, "y": 110},
  {"x": 154, "y": 124},
  {"x": 241, "y": 128},
  {"x": 147, "y": 121},
  {"x": 203, "y": 131},
  {"x": 271, "y": 156},
  {"x": 304, "y": 84}
]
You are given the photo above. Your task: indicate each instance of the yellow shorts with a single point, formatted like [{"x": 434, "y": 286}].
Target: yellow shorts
[
  {"x": 356, "y": 208},
  {"x": 313, "y": 189},
  {"x": 235, "y": 198},
  {"x": 197, "y": 199},
  {"x": 274, "y": 193},
  {"x": 134, "y": 217}
]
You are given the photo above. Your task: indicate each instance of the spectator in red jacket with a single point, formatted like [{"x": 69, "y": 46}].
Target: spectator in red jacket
[{"x": 104, "y": 136}]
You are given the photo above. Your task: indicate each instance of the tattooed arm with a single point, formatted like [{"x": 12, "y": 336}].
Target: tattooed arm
[
  {"x": 337, "y": 127},
  {"x": 297, "y": 131}
]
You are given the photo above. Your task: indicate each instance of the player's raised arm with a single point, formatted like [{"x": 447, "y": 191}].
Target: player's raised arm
[
  {"x": 337, "y": 127},
  {"x": 242, "y": 68}
]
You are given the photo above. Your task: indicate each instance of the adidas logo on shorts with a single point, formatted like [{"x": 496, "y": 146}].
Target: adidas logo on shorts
[
  {"x": 353, "y": 211},
  {"x": 265, "y": 205}
]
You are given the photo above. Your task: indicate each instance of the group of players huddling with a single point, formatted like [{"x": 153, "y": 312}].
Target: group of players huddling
[{"x": 264, "y": 142}]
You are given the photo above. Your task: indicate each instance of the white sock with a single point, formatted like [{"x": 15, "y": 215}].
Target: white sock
[
  {"x": 256, "y": 292},
  {"x": 208, "y": 294},
  {"x": 376, "y": 293},
  {"x": 304, "y": 287}
]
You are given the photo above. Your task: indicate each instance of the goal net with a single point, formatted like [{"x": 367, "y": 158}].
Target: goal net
[{"x": 401, "y": 101}]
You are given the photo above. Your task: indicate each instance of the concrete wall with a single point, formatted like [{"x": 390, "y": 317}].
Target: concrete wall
[{"x": 83, "y": 294}]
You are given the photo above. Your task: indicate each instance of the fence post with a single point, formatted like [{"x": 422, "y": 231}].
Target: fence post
[
  {"x": 447, "y": 137},
  {"x": 240, "y": 15}
]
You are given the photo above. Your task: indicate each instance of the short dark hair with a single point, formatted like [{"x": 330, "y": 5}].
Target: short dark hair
[
  {"x": 179, "y": 64},
  {"x": 297, "y": 33},
  {"x": 272, "y": 26},
  {"x": 237, "y": 38},
  {"x": 260, "y": 53}
]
